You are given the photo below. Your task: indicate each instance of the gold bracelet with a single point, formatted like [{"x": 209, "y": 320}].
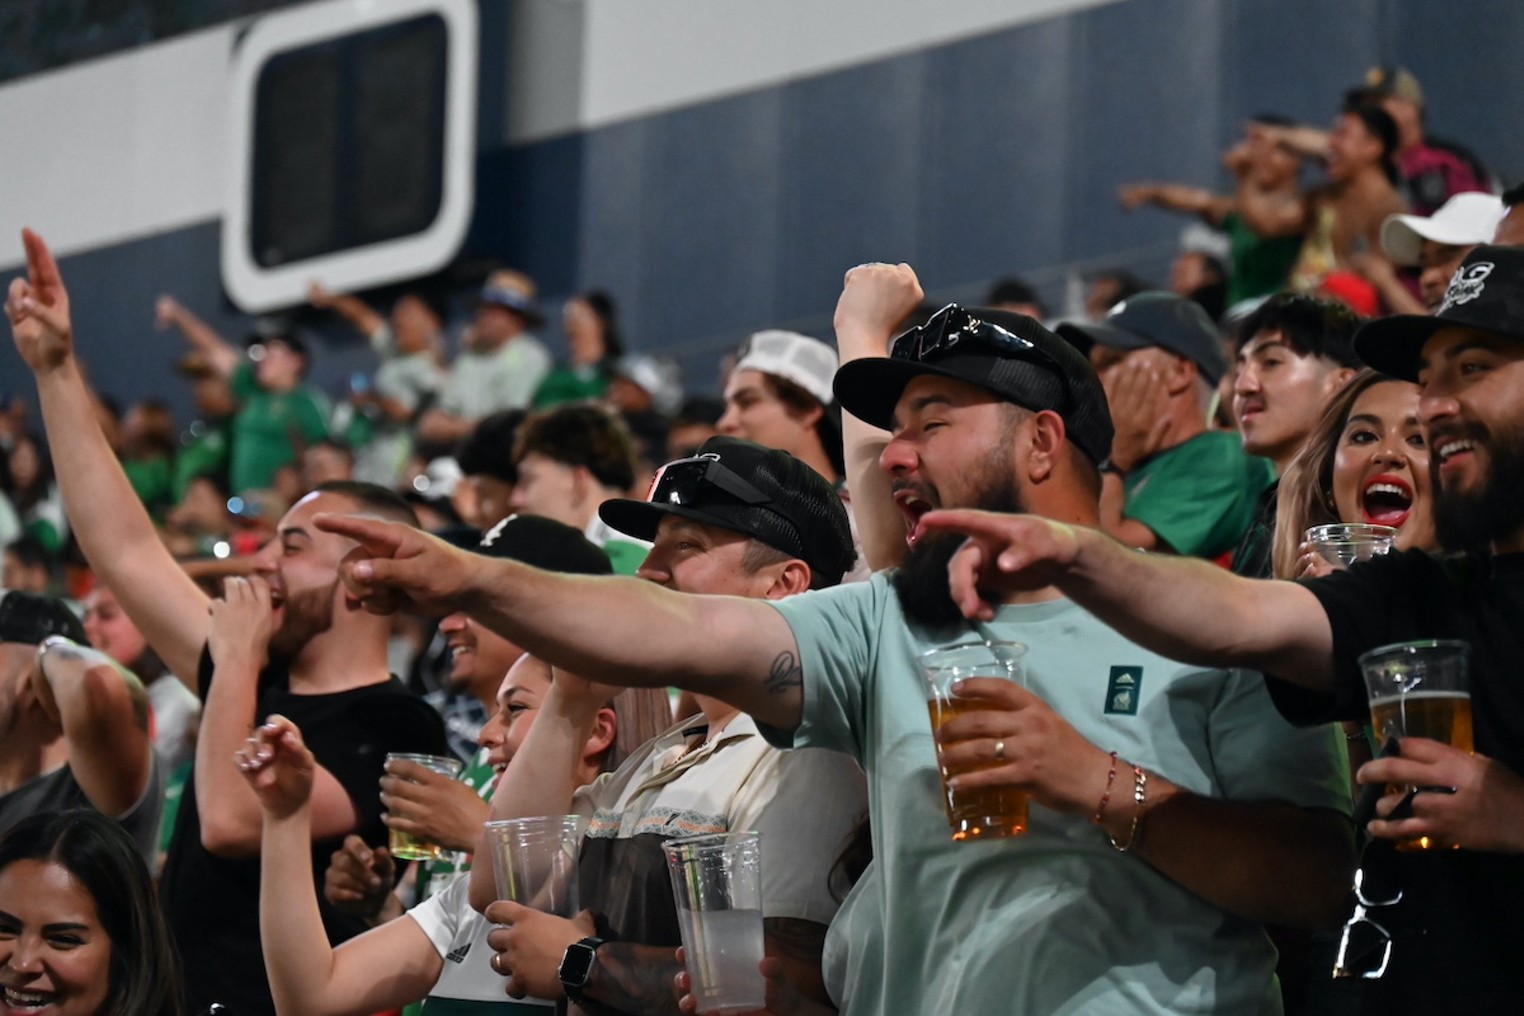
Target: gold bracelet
[{"x": 1139, "y": 800}]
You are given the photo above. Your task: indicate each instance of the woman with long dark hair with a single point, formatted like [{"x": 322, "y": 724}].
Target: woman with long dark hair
[{"x": 81, "y": 932}]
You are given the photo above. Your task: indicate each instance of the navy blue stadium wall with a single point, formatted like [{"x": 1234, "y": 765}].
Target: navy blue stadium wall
[{"x": 992, "y": 155}]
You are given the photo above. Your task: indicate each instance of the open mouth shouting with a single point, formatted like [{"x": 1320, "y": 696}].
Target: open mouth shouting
[
  {"x": 913, "y": 502},
  {"x": 1386, "y": 500}
]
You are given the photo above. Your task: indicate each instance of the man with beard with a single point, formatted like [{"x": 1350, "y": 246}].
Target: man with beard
[
  {"x": 1247, "y": 818},
  {"x": 1443, "y": 933},
  {"x": 326, "y": 657}
]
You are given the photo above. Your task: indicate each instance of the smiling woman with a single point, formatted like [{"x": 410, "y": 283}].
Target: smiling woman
[
  {"x": 81, "y": 933},
  {"x": 1365, "y": 461}
]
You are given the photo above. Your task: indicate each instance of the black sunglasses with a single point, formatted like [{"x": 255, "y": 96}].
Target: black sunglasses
[
  {"x": 1365, "y": 944},
  {"x": 682, "y": 482},
  {"x": 952, "y": 327}
]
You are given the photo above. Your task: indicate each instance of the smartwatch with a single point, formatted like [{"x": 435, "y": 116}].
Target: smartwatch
[{"x": 577, "y": 966}]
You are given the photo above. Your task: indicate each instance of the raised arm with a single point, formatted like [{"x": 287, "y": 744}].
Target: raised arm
[
  {"x": 1176, "y": 197},
  {"x": 107, "y": 518},
  {"x": 220, "y": 354},
  {"x": 1186, "y": 609},
  {"x": 357, "y": 312},
  {"x": 103, "y": 710},
  {"x": 382, "y": 969},
  {"x": 230, "y": 810},
  {"x": 875, "y": 298},
  {"x": 619, "y": 631}
]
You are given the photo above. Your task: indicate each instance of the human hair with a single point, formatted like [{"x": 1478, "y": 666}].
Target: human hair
[
  {"x": 607, "y": 312},
  {"x": 157, "y": 435},
  {"x": 488, "y": 449},
  {"x": 1513, "y": 196},
  {"x": 1365, "y": 106},
  {"x": 144, "y": 970},
  {"x": 799, "y": 402},
  {"x": 372, "y": 498},
  {"x": 1310, "y": 326},
  {"x": 1305, "y": 495},
  {"x": 581, "y": 435},
  {"x": 31, "y": 552},
  {"x": 640, "y": 715},
  {"x": 1011, "y": 290},
  {"x": 26, "y": 496},
  {"x": 334, "y": 444}
]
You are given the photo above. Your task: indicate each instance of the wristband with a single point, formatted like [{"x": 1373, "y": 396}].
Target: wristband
[{"x": 1106, "y": 797}]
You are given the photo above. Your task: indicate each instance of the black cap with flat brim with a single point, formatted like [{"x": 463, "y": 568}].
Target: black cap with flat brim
[
  {"x": 1486, "y": 293},
  {"x": 1050, "y": 375},
  {"x": 759, "y": 492}
]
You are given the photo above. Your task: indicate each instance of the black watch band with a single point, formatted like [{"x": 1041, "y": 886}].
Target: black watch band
[{"x": 577, "y": 966}]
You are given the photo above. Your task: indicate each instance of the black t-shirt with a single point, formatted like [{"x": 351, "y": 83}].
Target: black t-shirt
[
  {"x": 1460, "y": 926},
  {"x": 213, "y": 902}
]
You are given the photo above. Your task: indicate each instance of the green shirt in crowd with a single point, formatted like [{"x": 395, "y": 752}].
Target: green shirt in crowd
[
  {"x": 1199, "y": 497},
  {"x": 269, "y": 427}
]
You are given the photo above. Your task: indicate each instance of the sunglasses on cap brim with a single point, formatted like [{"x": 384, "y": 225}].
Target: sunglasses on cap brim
[
  {"x": 683, "y": 481},
  {"x": 953, "y": 329}
]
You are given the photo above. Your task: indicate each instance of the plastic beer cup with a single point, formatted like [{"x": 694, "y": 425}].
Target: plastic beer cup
[
  {"x": 410, "y": 846},
  {"x": 1420, "y": 689},
  {"x": 1344, "y": 543},
  {"x": 985, "y": 813},
  {"x": 717, "y": 885},
  {"x": 534, "y": 861}
]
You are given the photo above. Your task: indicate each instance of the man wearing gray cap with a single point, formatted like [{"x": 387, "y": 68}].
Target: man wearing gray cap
[{"x": 1170, "y": 483}]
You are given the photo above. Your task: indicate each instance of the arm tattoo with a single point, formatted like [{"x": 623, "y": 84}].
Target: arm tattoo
[
  {"x": 786, "y": 674},
  {"x": 630, "y": 978}
]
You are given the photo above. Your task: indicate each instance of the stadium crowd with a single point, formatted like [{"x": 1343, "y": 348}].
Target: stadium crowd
[{"x": 229, "y": 649}]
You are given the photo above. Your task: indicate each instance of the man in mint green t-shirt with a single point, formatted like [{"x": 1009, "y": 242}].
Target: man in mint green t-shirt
[{"x": 1173, "y": 811}]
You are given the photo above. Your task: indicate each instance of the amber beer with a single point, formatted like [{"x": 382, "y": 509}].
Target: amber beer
[
  {"x": 1442, "y": 716},
  {"x": 1420, "y": 689},
  {"x": 985, "y": 812},
  {"x": 407, "y": 846}
]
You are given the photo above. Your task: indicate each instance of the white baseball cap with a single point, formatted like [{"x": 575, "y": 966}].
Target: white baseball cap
[
  {"x": 808, "y": 363},
  {"x": 1464, "y": 220}
]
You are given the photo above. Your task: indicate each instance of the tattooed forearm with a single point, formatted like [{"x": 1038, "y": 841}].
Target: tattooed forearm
[
  {"x": 630, "y": 978},
  {"x": 785, "y": 674}
]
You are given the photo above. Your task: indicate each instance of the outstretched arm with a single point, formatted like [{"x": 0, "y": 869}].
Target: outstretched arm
[
  {"x": 1185, "y": 609},
  {"x": 874, "y": 299},
  {"x": 1176, "y": 197},
  {"x": 103, "y": 710},
  {"x": 351, "y": 308},
  {"x": 382, "y": 969},
  {"x": 220, "y": 354},
  {"x": 107, "y": 518},
  {"x": 619, "y": 631}
]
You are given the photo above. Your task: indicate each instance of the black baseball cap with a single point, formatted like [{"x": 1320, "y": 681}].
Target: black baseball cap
[
  {"x": 1157, "y": 318},
  {"x": 1486, "y": 293},
  {"x": 759, "y": 492},
  {"x": 544, "y": 543},
  {"x": 28, "y": 618},
  {"x": 1011, "y": 355}
]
